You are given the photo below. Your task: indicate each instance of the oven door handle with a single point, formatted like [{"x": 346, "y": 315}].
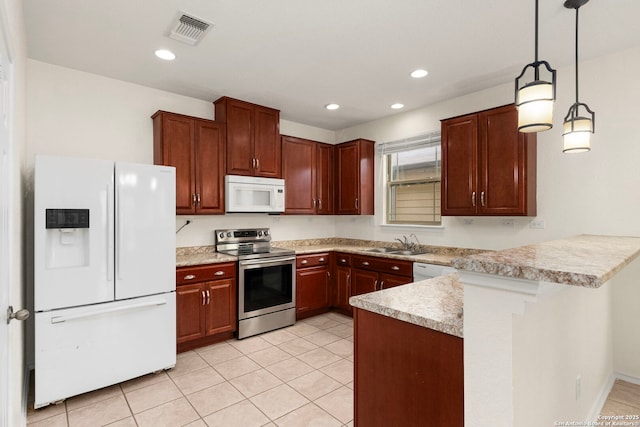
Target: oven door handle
[{"x": 267, "y": 261}]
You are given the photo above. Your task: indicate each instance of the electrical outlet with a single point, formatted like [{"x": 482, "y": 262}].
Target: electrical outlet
[
  {"x": 536, "y": 223},
  {"x": 578, "y": 387},
  {"x": 508, "y": 223}
]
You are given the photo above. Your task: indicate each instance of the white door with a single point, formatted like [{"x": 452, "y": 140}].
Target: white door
[
  {"x": 7, "y": 383},
  {"x": 73, "y": 266},
  {"x": 145, "y": 230},
  {"x": 5, "y": 344}
]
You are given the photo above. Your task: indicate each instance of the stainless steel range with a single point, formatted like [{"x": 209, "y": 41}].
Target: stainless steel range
[{"x": 266, "y": 280}]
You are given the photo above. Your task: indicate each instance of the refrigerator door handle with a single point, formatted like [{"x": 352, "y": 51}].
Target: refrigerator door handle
[
  {"x": 60, "y": 319},
  {"x": 119, "y": 228},
  {"x": 110, "y": 232}
]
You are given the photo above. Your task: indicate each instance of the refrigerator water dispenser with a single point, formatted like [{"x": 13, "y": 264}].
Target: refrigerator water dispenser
[{"x": 67, "y": 238}]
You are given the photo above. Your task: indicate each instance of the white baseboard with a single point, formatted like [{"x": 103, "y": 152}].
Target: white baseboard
[{"x": 627, "y": 378}]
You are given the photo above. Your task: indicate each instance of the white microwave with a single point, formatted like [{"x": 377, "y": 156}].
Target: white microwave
[{"x": 254, "y": 194}]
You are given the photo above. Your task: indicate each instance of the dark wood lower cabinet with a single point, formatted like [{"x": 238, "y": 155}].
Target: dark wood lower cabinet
[
  {"x": 406, "y": 375},
  {"x": 205, "y": 304}
]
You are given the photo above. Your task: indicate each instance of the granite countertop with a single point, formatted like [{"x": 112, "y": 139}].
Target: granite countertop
[
  {"x": 441, "y": 255},
  {"x": 434, "y": 303},
  {"x": 200, "y": 255},
  {"x": 585, "y": 260}
]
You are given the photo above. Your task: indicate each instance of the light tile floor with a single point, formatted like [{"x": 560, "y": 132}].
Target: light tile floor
[{"x": 297, "y": 376}]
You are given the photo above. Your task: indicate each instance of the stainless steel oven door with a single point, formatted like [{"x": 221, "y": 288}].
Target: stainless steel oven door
[{"x": 266, "y": 285}]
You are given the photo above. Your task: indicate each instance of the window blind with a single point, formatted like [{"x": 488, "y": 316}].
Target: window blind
[{"x": 419, "y": 141}]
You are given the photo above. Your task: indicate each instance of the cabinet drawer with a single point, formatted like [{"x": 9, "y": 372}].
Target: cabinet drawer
[
  {"x": 205, "y": 273},
  {"x": 384, "y": 265},
  {"x": 343, "y": 259},
  {"x": 304, "y": 261}
]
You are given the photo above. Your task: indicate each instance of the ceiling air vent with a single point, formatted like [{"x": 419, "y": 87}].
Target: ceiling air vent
[{"x": 189, "y": 29}]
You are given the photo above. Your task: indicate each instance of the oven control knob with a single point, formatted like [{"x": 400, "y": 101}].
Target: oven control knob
[
  {"x": 260, "y": 233},
  {"x": 228, "y": 234},
  {"x": 221, "y": 235},
  {"x": 266, "y": 232}
]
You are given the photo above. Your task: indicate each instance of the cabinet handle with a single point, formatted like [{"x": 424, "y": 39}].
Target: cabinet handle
[
  {"x": 473, "y": 199},
  {"x": 257, "y": 163},
  {"x": 321, "y": 260},
  {"x": 314, "y": 203},
  {"x": 395, "y": 268},
  {"x": 365, "y": 262},
  {"x": 344, "y": 261},
  {"x": 193, "y": 199},
  {"x": 189, "y": 277},
  {"x": 382, "y": 285},
  {"x": 219, "y": 273},
  {"x": 208, "y": 297},
  {"x": 198, "y": 198},
  {"x": 203, "y": 298},
  {"x": 319, "y": 203},
  {"x": 375, "y": 285},
  {"x": 482, "y": 198},
  {"x": 356, "y": 203},
  {"x": 304, "y": 261},
  {"x": 253, "y": 163}
]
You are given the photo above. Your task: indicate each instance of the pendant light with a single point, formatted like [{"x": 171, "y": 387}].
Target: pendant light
[
  {"x": 534, "y": 100},
  {"x": 577, "y": 129}
]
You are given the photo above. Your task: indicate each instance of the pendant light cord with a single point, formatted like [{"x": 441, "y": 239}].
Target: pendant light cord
[
  {"x": 577, "y": 11},
  {"x": 536, "y": 72}
]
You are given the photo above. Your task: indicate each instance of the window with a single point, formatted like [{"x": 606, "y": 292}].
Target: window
[{"x": 413, "y": 180}]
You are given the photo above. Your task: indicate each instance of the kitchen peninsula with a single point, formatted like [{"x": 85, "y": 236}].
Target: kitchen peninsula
[{"x": 546, "y": 327}]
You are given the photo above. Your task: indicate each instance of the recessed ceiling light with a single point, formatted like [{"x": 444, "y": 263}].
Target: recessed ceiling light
[
  {"x": 397, "y": 106},
  {"x": 167, "y": 55},
  {"x": 418, "y": 74},
  {"x": 332, "y": 106}
]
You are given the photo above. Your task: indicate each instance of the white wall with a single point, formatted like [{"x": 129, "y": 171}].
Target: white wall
[
  {"x": 595, "y": 192},
  {"x": 555, "y": 341}
]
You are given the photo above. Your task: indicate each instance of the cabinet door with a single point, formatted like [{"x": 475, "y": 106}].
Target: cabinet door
[
  {"x": 312, "y": 290},
  {"x": 221, "y": 307},
  {"x": 190, "y": 312},
  {"x": 210, "y": 159},
  {"x": 347, "y": 172},
  {"x": 503, "y": 157},
  {"x": 173, "y": 136},
  {"x": 363, "y": 281},
  {"x": 267, "y": 148},
  {"x": 343, "y": 288},
  {"x": 459, "y": 166},
  {"x": 239, "y": 120},
  {"x": 298, "y": 171},
  {"x": 390, "y": 281},
  {"x": 324, "y": 179}
]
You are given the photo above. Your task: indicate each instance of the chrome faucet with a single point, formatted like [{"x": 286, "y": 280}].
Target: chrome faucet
[{"x": 407, "y": 245}]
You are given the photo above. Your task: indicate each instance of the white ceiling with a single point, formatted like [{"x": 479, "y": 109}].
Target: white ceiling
[{"x": 298, "y": 55}]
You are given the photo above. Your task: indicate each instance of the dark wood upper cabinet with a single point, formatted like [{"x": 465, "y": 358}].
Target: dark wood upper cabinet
[
  {"x": 488, "y": 167},
  {"x": 196, "y": 148},
  {"x": 354, "y": 181},
  {"x": 307, "y": 168},
  {"x": 253, "y": 138}
]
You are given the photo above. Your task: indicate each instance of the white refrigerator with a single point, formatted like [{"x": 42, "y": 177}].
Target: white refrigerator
[{"x": 104, "y": 274}]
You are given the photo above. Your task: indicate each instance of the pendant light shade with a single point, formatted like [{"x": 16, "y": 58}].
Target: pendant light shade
[
  {"x": 535, "y": 99},
  {"x": 578, "y": 127}
]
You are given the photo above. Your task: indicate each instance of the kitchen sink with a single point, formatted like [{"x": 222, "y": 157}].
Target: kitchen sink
[
  {"x": 382, "y": 250},
  {"x": 395, "y": 251}
]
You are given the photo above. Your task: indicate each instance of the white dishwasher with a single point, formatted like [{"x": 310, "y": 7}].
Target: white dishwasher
[{"x": 422, "y": 271}]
